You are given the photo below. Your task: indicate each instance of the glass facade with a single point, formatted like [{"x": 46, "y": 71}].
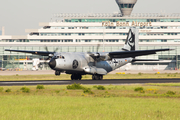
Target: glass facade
[
  {"x": 78, "y": 33},
  {"x": 109, "y": 33},
  {"x": 126, "y": 5},
  {"x": 92, "y": 40},
  {"x": 13, "y": 60},
  {"x": 118, "y": 27},
  {"x": 125, "y": 20}
]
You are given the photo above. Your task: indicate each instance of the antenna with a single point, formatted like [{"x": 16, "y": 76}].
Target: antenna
[{"x": 3, "y": 30}]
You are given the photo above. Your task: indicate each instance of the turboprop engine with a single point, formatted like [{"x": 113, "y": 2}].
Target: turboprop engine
[{"x": 94, "y": 70}]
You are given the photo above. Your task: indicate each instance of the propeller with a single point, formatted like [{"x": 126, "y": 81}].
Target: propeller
[
  {"x": 50, "y": 53},
  {"x": 56, "y": 50},
  {"x": 97, "y": 48},
  {"x": 96, "y": 55},
  {"x": 46, "y": 48}
]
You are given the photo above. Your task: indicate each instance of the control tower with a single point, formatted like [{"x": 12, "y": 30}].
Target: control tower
[{"x": 126, "y": 6}]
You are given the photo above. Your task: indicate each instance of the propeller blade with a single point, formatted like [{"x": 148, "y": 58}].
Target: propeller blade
[
  {"x": 97, "y": 49},
  {"x": 47, "y": 59},
  {"x": 50, "y": 53},
  {"x": 56, "y": 50},
  {"x": 96, "y": 55},
  {"x": 46, "y": 48}
]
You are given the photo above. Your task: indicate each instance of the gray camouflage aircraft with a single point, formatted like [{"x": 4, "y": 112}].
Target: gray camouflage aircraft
[{"x": 96, "y": 64}]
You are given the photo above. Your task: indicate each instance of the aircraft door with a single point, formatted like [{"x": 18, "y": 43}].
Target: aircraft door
[{"x": 61, "y": 62}]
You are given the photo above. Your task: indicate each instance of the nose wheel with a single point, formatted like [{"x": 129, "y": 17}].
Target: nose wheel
[
  {"x": 76, "y": 77},
  {"x": 57, "y": 73},
  {"x": 97, "y": 77}
]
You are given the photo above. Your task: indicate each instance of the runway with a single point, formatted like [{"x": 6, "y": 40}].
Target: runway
[
  {"x": 51, "y": 72},
  {"x": 90, "y": 82}
]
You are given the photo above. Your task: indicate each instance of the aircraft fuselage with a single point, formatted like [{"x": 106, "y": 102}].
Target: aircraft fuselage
[{"x": 82, "y": 63}]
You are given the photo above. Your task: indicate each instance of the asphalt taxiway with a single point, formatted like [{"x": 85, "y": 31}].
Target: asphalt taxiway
[
  {"x": 90, "y": 82},
  {"x": 51, "y": 72}
]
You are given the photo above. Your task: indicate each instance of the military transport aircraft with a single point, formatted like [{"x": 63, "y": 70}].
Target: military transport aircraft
[{"x": 96, "y": 64}]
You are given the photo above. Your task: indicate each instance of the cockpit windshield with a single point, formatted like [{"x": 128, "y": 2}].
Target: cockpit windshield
[{"x": 59, "y": 57}]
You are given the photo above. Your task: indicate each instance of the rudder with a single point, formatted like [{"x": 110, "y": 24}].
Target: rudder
[{"x": 132, "y": 40}]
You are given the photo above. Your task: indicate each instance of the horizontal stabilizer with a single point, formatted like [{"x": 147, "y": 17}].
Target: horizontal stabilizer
[{"x": 135, "y": 60}]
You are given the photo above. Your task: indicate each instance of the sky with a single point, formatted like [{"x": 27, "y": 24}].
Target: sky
[{"x": 18, "y": 15}]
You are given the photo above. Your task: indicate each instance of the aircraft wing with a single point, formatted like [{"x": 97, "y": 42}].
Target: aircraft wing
[
  {"x": 42, "y": 53},
  {"x": 133, "y": 54}
]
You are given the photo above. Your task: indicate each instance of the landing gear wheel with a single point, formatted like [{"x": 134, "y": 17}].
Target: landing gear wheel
[
  {"x": 72, "y": 77},
  {"x": 76, "y": 77},
  {"x": 97, "y": 77},
  {"x": 93, "y": 77},
  {"x": 100, "y": 77},
  {"x": 57, "y": 73}
]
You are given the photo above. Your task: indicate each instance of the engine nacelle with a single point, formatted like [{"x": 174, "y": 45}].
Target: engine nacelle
[
  {"x": 102, "y": 56},
  {"x": 94, "y": 70}
]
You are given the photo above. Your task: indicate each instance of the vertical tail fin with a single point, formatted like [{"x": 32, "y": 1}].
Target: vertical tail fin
[{"x": 132, "y": 40}]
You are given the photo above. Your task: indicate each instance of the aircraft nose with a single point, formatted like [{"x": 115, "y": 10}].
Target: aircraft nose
[{"x": 52, "y": 63}]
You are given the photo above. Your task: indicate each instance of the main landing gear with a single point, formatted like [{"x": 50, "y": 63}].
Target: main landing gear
[
  {"x": 97, "y": 77},
  {"x": 76, "y": 77},
  {"x": 79, "y": 77},
  {"x": 57, "y": 73}
]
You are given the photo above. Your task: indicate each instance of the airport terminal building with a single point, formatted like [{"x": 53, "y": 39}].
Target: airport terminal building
[{"x": 82, "y": 32}]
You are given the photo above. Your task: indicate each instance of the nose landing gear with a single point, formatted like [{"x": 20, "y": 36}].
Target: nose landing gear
[
  {"x": 97, "y": 77},
  {"x": 76, "y": 77},
  {"x": 57, "y": 73}
]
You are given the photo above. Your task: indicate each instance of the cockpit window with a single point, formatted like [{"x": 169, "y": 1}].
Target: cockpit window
[{"x": 59, "y": 57}]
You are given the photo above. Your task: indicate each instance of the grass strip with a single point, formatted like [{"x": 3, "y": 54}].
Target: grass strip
[
  {"x": 85, "y": 77},
  {"x": 115, "y": 102}
]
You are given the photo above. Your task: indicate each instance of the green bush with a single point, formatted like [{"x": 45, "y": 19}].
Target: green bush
[
  {"x": 100, "y": 87},
  {"x": 170, "y": 93},
  {"x": 139, "y": 89},
  {"x": 139, "y": 73},
  {"x": 25, "y": 89},
  {"x": 142, "y": 91},
  {"x": 8, "y": 90},
  {"x": 88, "y": 90},
  {"x": 1, "y": 89},
  {"x": 57, "y": 91},
  {"x": 75, "y": 86},
  {"x": 40, "y": 87}
]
